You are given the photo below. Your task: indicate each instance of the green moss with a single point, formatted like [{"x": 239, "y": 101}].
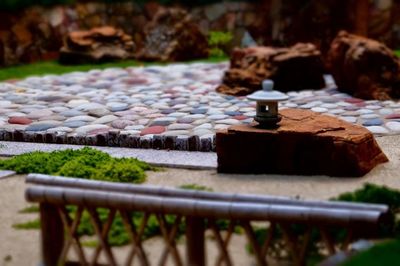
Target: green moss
[
  {"x": 85, "y": 163},
  {"x": 53, "y": 67},
  {"x": 30, "y": 225},
  {"x": 383, "y": 254},
  {"x": 371, "y": 193},
  {"x": 196, "y": 187},
  {"x": 30, "y": 209},
  {"x": 218, "y": 40},
  {"x": 122, "y": 170}
]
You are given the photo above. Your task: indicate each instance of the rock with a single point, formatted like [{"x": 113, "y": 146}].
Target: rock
[
  {"x": 295, "y": 68},
  {"x": 364, "y": 68},
  {"x": 97, "y": 45},
  {"x": 121, "y": 123},
  {"x": 19, "y": 120},
  {"x": 306, "y": 143},
  {"x": 42, "y": 125},
  {"x": 152, "y": 130},
  {"x": 105, "y": 119},
  {"x": 173, "y": 36},
  {"x": 90, "y": 128}
]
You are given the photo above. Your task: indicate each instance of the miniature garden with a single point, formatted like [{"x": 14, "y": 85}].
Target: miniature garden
[{"x": 209, "y": 132}]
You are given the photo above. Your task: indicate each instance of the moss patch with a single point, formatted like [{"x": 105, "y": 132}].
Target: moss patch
[
  {"x": 53, "y": 67},
  {"x": 383, "y": 254},
  {"x": 30, "y": 225},
  {"x": 85, "y": 163}
]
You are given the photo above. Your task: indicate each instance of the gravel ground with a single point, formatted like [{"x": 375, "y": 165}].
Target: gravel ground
[{"x": 22, "y": 247}]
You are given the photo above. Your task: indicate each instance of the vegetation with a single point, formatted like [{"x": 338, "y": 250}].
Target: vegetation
[
  {"x": 85, "y": 163},
  {"x": 30, "y": 225},
  {"x": 383, "y": 254},
  {"x": 53, "y": 67},
  {"x": 371, "y": 193},
  {"x": 196, "y": 187},
  {"x": 217, "y": 41},
  {"x": 30, "y": 209},
  {"x": 19, "y": 4}
]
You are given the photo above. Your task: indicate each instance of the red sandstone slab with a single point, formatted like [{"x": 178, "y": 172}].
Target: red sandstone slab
[{"x": 306, "y": 143}]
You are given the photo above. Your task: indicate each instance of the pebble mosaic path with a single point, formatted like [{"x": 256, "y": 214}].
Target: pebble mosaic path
[{"x": 159, "y": 107}]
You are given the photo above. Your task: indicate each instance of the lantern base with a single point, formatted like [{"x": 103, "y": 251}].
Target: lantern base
[
  {"x": 268, "y": 122},
  {"x": 305, "y": 143}
]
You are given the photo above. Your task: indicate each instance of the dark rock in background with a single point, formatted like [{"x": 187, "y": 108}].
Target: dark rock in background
[
  {"x": 364, "y": 68},
  {"x": 173, "y": 36},
  {"x": 97, "y": 45},
  {"x": 295, "y": 68}
]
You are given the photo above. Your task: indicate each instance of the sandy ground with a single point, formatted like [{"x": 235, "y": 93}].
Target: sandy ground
[{"x": 21, "y": 247}]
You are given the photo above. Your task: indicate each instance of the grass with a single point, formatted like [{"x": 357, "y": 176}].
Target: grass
[{"x": 53, "y": 67}]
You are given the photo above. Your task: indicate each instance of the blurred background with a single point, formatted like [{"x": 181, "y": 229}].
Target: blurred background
[{"x": 34, "y": 30}]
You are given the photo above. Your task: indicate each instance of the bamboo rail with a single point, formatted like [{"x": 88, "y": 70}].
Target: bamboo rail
[{"x": 198, "y": 210}]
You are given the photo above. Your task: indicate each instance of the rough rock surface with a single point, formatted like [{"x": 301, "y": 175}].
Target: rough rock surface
[
  {"x": 364, "y": 68},
  {"x": 306, "y": 143},
  {"x": 295, "y": 68},
  {"x": 173, "y": 36},
  {"x": 97, "y": 45}
]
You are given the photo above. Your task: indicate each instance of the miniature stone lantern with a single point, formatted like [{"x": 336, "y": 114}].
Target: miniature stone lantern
[{"x": 267, "y": 104}]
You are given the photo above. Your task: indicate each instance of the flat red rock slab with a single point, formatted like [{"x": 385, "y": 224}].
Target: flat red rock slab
[
  {"x": 19, "y": 120},
  {"x": 306, "y": 143},
  {"x": 152, "y": 130}
]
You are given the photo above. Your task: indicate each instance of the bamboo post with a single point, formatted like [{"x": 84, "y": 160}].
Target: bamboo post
[
  {"x": 195, "y": 250},
  {"x": 52, "y": 233}
]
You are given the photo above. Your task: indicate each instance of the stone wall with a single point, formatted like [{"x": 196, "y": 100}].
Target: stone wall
[{"x": 37, "y": 33}]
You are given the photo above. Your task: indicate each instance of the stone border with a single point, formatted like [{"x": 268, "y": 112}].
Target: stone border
[{"x": 113, "y": 138}]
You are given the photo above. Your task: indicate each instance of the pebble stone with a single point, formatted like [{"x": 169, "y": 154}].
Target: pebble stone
[{"x": 176, "y": 103}]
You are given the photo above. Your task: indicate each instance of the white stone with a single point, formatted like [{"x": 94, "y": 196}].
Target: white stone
[
  {"x": 319, "y": 109},
  {"x": 393, "y": 126},
  {"x": 378, "y": 130},
  {"x": 105, "y": 119}
]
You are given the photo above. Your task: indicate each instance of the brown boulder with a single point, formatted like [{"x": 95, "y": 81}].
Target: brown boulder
[
  {"x": 364, "y": 68},
  {"x": 173, "y": 36},
  {"x": 295, "y": 68},
  {"x": 306, "y": 143},
  {"x": 2, "y": 52},
  {"x": 97, "y": 45}
]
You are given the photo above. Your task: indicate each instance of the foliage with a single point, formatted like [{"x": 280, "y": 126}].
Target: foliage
[
  {"x": 53, "y": 67},
  {"x": 85, "y": 163},
  {"x": 397, "y": 52},
  {"x": 19, "y": 4},
  {"x": 217, "y": 40},
  {"x": 30, "y": 209},
  {"x": 30, "y": 225},
  {"x": 383, "y": 254},
  {"x": 371, "y": 193},
  {"x": 196, "y": 187}
]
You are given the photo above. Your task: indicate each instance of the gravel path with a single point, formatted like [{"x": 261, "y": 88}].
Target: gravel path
[{"x": 160, "y": 107}]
